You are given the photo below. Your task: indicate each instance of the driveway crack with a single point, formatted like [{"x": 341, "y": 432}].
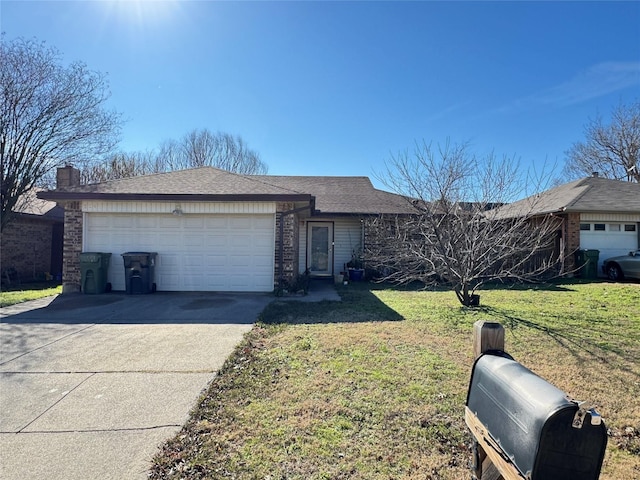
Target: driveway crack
[
  {"x": 95, "y": 430},
  {"x": 55, "y": 403}
]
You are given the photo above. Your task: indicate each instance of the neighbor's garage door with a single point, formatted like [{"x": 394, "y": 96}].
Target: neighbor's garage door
[
  {"x": 611, "y": 238},
  {"x": 195, "y": 252}
]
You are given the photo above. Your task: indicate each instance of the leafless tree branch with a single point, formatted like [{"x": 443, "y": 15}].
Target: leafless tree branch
[{"x": 458, "y": 234}]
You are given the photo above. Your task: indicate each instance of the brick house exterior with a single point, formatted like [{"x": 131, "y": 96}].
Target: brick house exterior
[
  {"x": 332, "y": 205},
  {"x": 31, "y": 244},
  {"x": 595, "y": 213}
]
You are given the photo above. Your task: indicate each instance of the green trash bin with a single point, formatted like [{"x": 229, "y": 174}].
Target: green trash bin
[
  {"x": 94, "y": 267},
  {"x": 587, "y": 263},
  {"x": 591, "y": 266}
]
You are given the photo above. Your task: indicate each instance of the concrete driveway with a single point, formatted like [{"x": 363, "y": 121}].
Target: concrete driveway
[{"x": 91, "y": 385}]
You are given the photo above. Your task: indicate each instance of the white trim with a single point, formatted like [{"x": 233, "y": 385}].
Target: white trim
[
  {"x": 609, "y": 217},
  {"x": 188, "y": 208}
]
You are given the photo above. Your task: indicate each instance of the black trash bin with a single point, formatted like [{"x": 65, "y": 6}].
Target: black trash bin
[
  {"x": 587, "y": 263},
  {"x": 94, "y": 267},
  {"x": 139, "y": 272}
]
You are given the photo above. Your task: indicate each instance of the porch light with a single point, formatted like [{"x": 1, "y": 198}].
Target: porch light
[{"x": 177, "y": 210}]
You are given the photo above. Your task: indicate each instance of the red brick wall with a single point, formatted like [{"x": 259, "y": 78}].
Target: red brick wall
[
  {"x": 291, "y": 236},
  {"x": 572, "y": 239},
  {"x": 72, "y": 247},
  {"x": 26, "y": 246}
]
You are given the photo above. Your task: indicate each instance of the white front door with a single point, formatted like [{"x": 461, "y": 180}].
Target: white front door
[{"x": 320, "y": 248}]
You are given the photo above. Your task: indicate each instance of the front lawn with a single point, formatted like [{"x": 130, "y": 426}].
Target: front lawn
[
  {"x": 26, "y": 292},
  {"x": 374, "y": 387}
]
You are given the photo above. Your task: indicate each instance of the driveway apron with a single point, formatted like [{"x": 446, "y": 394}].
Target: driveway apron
[{"x": 92, "y": 385}]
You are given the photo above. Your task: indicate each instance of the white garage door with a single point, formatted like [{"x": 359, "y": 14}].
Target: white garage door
[
  {"x": 195, "y": 252},
  {"x": 611, "y": 238}
]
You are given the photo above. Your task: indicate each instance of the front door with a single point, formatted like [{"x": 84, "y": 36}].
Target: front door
[{"x": 320, "y": 248}]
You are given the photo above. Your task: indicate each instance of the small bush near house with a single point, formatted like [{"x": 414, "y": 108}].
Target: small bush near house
[{"x": 374, "y": 387}]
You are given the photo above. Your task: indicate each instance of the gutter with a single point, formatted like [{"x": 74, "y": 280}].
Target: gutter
[{"x": 182, "y": 197}]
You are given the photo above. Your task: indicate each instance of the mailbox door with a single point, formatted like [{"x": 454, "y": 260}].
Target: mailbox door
[
  {"x": 514, "y": 404},
  {"x": 566, "y": 452},
  {"x": 531, "y": 420}
]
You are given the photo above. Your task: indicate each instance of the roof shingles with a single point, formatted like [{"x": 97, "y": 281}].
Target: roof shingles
[
  {"x": 336, "y": 195},
  {"x": 591, "y": 194}
]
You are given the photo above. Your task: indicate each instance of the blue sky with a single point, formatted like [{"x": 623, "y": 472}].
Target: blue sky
[{"x": 336, "y": 88}]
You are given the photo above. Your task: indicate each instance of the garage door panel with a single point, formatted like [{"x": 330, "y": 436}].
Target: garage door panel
[
  {"x": 240, "y": 223},
  {"x": 239, "y": 261},
  {"x": 123, "y": 221},
  {"x": 191, "y": 240},
  {"x": 216, "y": 241},
  {"x": 216, "y": 261},
  {"x": 169, "y": 221},
  {"x": 217, "y": 222},
  {"x": 146, "y": 221},
  {"x": 261, "y": 241},
  {"x": 263, "y": 223},
  {"x": 167, "y": 241},
  {"x": 193, "y": 222},
  {"x": 195, "y": 252},
  {"x": 193, "y": 261},
  {"x": 169, "y": 281}
]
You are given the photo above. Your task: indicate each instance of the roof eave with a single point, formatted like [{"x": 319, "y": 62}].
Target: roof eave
[{"x": 182, "y": 197}]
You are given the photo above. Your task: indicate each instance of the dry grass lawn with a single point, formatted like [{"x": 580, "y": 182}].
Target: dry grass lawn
[{"x": 374, "y": 387}]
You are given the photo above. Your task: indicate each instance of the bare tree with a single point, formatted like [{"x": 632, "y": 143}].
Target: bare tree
[
  {"x": 200, "y": 148},
  {"x": 196, "y": 149},
  {"x": 50, "y": 114},
  {"x": 121, "y": 165},
  {"x": 612, "y": 150},
  {"x": 458, "y": 233}
]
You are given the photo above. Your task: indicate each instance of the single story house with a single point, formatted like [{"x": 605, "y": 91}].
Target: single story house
[
  {"x": 31, "y": 244},
  {"x": 218, "y": 231},
  {"x": 596, "y": 214}
]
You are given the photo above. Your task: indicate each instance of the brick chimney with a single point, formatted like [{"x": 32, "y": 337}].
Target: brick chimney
[{"x": 67, "y": 176}]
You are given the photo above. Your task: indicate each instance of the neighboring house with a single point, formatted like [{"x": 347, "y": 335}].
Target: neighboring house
[
  {"x": 218, "y": 231},
  {"x": 596, "y": 214},
  {"x": 31, "y": 244}
]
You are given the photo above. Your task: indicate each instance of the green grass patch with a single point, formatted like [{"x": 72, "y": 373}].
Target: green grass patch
[
  {"x": 374, "y": 387},
  {"x": 27, "y": 292}
]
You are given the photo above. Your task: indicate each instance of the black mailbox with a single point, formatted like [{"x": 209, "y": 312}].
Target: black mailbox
[{"x": 544, "y": 433}]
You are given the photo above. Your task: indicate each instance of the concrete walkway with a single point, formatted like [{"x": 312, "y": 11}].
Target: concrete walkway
[{"x": 92, "y": 385}]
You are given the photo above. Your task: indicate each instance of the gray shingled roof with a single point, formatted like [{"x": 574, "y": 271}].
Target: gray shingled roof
[
  {"x": 342, "y": 194},
  {"x": 591, "y": 194},
  {"x": 338, "y": 195},
  {"x": 29, "y": 204}
]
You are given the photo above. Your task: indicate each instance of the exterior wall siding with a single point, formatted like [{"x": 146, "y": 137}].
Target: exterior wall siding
[
  {"x": 192, "y": 208},
  {"x": 347, "y": 238},
  {"x": 610, "y": 217}
]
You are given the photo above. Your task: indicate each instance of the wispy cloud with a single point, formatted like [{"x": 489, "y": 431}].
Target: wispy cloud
[
  {"x": 596, "y": 81},
  {"x": 446, "y": 112}
]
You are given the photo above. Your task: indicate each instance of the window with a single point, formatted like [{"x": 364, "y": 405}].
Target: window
[
  {"x": 599, "y": 227},
  {"x": 585, "y": 226},
  {"x": 614, "y": 227},
  {"x": 630, "y": 227}
]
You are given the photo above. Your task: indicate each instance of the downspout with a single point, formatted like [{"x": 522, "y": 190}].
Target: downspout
[{"x": 281, "y": 236}]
